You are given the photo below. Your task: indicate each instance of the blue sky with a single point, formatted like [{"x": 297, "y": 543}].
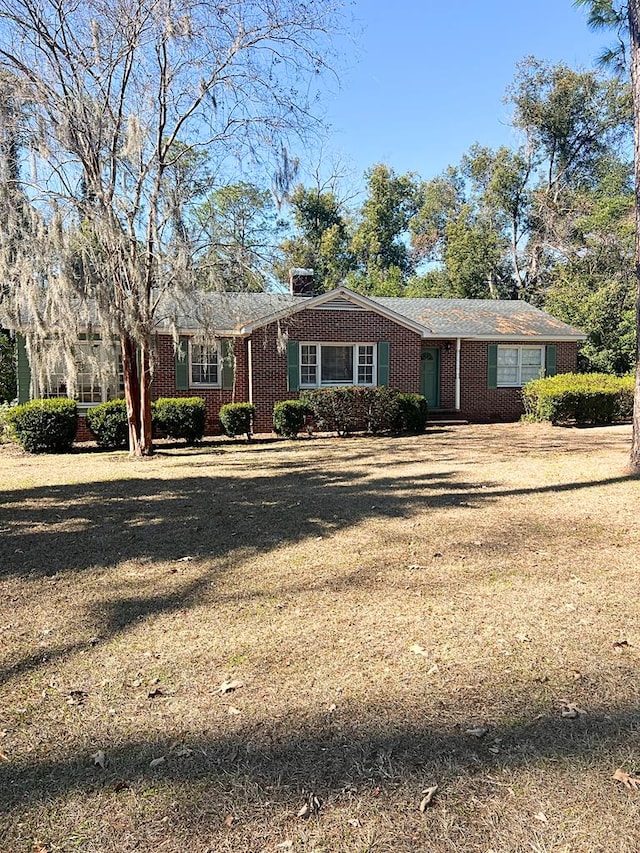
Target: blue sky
[{"x": 424, "y": 80}]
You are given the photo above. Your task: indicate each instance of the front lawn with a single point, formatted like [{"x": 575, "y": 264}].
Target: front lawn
[{"x": 458, "y": 608}]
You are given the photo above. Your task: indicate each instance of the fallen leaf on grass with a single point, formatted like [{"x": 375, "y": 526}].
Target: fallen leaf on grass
[
  {"x": 99, "y": 759},
  {"x": 311, "y": 807},
  {"x": 417, "y": 649},
  {"x": 233, "y": 711},
  {"x": 285, "y": 845},
  {"x": 228, "y": 820},
  {"x": 76, "y": 697},
  {"x": 478, "y": 731},
  {"x": 38, "y": 847},
  {"x": 570, "y": 710},
  {"x": 156, "y": 762},
  {"x": 621, "y": 644},
  {"x": 120, "y": 785},
  {"x": 541, "y": 816},
  {"x": 429, "y": 794},
  {"x": 627, "y": 779},
  {"x": 184, "y": 559},
  {"x": 3, "y": 757},
  {"x": 156, "y": 693},
  {"x": 354, "y": 822},
  {"x": 229, "y": 686}
]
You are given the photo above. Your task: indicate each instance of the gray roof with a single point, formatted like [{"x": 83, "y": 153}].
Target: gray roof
[
  {"x": 440, "y": 318},
  {"x": 235, "y": 313},
  {"x": 479, "y": 318}
]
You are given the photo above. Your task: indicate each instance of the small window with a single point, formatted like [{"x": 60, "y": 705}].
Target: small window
[
  {"x": 519, "y": 365},
  {"x": 204, "y": 365},
  {"x": 337, "y": 364},
  {"x": 98, "y": 375}
]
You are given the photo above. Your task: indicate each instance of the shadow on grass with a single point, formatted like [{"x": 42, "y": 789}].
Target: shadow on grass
[{"x": 328, "y": 755}]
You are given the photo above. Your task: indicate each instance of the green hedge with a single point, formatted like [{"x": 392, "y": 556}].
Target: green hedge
[
  {"x": 372, "y": 409},
  {"x": 412, "y": 413},
  {"x": 289, "y": 417},
  {"x": 44, "y": 426},
  {"x": 109, "y": 424},
  {"x": 237, "y": 419},
  {"x": 180, "y": 417},
  {"x": 585, "y": 398}
]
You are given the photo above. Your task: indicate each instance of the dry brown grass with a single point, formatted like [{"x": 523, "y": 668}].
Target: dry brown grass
[{"x": 508, "y": 553}]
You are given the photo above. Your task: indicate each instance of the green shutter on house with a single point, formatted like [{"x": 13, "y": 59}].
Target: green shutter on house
[
  {"x": 550, "y": 360},
  {"x": 228, "y": 362},
  {"x": 383, "y": 362},
  {"x": 293, "y": 366},
  {"x": 23, "y": 370},
  {"x": 492, "y": 366},
  {"x": 182, "y": 364}
]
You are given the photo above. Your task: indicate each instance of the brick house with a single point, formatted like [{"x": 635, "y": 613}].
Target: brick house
[{"x": 468, "y": 357}]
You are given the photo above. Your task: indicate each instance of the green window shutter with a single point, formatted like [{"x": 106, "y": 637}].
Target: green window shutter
[
  {"x": 182, "y": 364},
  {"x": 492, "y": 366},
  {"x": 228, "y": 353},
  {"x": 293, "y": 366},
  {"x": 383, "y": 362},
  {"x": 550, "y": 360},
  {"x": 23, "y": 370}
]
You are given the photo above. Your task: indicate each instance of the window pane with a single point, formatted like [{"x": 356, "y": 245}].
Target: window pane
[
  {"x": 308, "y": 367},
  {"x": 508, "y": 376},
  {"x": 204, "y": 365},
  {"x": 365, "y": 365},
  {"x": 532, "y": 357},
  {"x": 507, "y": 356},
  {"x": 531, "y": 372},
  {"x": 337, "y": 365}
]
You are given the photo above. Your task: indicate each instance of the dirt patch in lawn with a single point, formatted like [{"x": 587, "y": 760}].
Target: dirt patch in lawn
[{"x": 196, "y": 648}]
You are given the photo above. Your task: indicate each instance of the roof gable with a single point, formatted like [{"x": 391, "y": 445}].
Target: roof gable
[{"x": 341, "y": 299}]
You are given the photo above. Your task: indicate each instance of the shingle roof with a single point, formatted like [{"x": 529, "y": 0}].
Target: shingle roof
[
  {"x": 476, "y": 318},
  {"x": 442, "y": 318},
  {"x": 433, "y": 318}
]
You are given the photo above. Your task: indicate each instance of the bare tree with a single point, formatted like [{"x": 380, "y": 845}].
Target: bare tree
[{"x": 114, "y": 102}]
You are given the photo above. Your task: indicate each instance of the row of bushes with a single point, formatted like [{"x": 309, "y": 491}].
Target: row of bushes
[
  {"x": 347, "y": 409},
  {"x": 50, "y": 425},
  {"x": 586, "y": 398}
]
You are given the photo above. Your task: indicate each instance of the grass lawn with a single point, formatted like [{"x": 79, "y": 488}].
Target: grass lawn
[{"x": 458, "y": 609}]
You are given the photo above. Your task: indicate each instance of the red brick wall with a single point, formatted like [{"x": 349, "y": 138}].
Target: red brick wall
[
  {"x": 269, "y": 368},
  {"x": 164, "y": 381},
  {"x": 329, "y": 326},
  {"x": 480, "y": 403}
]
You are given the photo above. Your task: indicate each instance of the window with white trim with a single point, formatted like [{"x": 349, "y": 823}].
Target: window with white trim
[
  {"x": 204, "y": 365},
  {"x": 98, "y": 375},
  {"x": 518, "y": 365},
  {"x": 337, "y": 364}
]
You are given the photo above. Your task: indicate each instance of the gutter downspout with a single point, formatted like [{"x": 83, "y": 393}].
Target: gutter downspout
[
  {"x": 458, "y": 344},
  {"x": 250, "y": 369}
]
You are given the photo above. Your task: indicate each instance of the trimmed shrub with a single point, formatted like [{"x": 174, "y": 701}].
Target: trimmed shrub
[
  {"x": 180, "y": 417},
  {"x": 108, "y": 422},
  {"x": 237, "y": 419},
  {"x": 44, "y": 426},
  {"x": 373, "y": 409},
  {"x": 379, "y": 406},
  {"x": 335, "y": 409},
  {"x": 411, "y": 413},
  {"x": 586, "y": 398},
  {"x": 289, "y": 417}
]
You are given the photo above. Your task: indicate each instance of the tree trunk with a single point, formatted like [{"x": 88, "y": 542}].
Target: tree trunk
[
  {"x": 137, "y": 394},
  {"x": 634, "y": 39}
]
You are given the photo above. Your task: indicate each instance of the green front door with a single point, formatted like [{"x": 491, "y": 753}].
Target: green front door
[{"x": 431, "y": 376}]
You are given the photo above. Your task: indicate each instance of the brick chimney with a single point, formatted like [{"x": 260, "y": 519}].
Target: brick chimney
[{"x": 301, "y": 282}]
